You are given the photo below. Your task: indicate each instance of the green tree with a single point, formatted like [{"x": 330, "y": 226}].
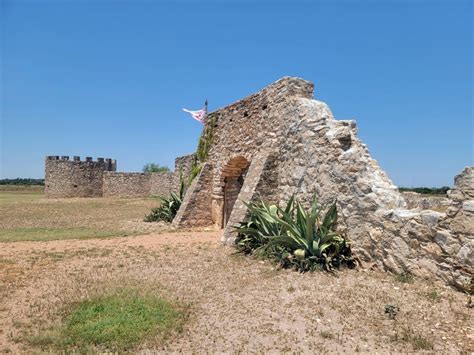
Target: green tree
[{"x": 155, "y": 168}]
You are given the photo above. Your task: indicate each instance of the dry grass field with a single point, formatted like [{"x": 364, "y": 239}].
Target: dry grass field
[
  {"x": 59, "y": 257},
  {"x": 25, "y": 215}
]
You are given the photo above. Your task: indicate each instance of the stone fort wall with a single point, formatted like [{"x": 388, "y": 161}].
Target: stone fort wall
[
  {"x": 76, "y": 177},
  {"x": 137, "y": 184},
  {"x": 66, "y": 178},
  {"x": 281, "y": 141}
]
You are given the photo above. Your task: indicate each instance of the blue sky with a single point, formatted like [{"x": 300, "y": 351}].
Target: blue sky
[{"x": 109, "y": 78}]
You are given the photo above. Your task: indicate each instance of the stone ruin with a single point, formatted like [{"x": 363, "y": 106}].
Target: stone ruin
[
  {"x": 281, "y": 141},
  {"x": 66, "y": 178}
]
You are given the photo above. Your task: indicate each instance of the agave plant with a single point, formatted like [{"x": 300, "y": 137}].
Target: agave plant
[
  {"x": 293, "y": 236},
  {"x": 168, "y": 208}
]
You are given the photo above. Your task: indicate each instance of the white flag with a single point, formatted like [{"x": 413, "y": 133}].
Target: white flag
[{"x": 199, "y": 115}]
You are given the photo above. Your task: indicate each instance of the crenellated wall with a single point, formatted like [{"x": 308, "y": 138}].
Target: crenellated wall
[{"x": 76, "y": 177}]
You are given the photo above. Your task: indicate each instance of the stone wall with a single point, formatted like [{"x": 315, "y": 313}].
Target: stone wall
[
  {"x": 161, "y": 184},
  {"x": 315, "y": 154},
  {"x": 75, "y": 178},
  {"x": 455, "y": 234},
  {"x": 260, "y": 184},
  {"x": 137, "y": 184},
  {"x": 195, "y": 210},
  {"x": 245, "y": 128},
  {"x": 426, "y": 202},
  {"x": 184, "y": 164}
]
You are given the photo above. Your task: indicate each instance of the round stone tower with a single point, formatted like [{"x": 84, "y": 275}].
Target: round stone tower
[{"x": 75, "y": 178}]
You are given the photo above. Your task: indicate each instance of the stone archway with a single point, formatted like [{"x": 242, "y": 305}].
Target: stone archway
[{"x": 232, "y": 180}]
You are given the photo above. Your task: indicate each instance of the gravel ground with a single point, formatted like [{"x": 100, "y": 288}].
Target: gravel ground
[{"x": 237, "y": 304}]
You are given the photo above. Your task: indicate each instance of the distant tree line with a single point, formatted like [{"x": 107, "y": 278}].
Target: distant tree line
[
  {"x": 426, "y": 190},
  {"x": 155, "y": 168},
  {"x": 21, "y": 181}
]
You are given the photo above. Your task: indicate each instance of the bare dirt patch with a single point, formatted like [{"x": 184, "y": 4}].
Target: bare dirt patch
[{"x": 237, "y": 304}]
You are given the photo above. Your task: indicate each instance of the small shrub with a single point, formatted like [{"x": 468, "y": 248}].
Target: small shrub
[
  {"x": 405, "y": 278},
  {"x": 195, "y": 171},
  {"x": 207, "y": 138},
  {"x": 196, "y": 168},
  {"x": 391, "y": 310},
  {"x": 169, "y": 207},
  {"x": 294, "y": 237}
]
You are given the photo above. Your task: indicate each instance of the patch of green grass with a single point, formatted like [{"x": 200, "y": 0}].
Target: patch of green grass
[
  {"x": 404, "y": 278},
  {"x": 117, "y": 321},
  {"x": 43, "y": 234},
  {"x": 433, "y": 295}
]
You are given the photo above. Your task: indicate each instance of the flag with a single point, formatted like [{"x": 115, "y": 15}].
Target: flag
[{"x": 199, "y": 115}]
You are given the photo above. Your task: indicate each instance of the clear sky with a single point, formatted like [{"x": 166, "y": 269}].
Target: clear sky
[{"x": 109, "y": 78}]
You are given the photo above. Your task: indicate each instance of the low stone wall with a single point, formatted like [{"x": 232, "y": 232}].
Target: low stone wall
[
  {"x": 427, "y": 243},
  {"x": 426, "y": 202},
  {"x": 136, "y": 184},
  {"x": 161, "y": 184}
]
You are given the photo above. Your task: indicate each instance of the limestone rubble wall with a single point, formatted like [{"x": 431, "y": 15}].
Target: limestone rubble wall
[
  {"x": 182, "y": 169},
  {"x": 312, "y": 153},
  {"x": 246, "y": 128},
  {"x": 426, "y": 202},
  {"x": 66, "y": 178},
  {"x": 161, "y": 184},
  {"x": 323, "y": 156},
  {"x": 130, "y": 185},
  {"x": 455, "y": 233},
  {"x": 195, "y": 210}
]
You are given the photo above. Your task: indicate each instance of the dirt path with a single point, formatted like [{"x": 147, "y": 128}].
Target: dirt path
[
  {"x": 152, "y": 241},
  {"x": 237, "y": 304}
]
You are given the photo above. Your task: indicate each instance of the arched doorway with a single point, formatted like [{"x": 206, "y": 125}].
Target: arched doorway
[{"x": 232, "y": 180}]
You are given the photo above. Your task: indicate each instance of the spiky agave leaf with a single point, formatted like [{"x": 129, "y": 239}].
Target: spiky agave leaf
[{"x": 294, "y": 236}]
